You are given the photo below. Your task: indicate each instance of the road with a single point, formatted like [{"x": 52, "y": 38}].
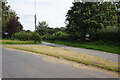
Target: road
[
  {"x": 21, "y": 64},
  {"x": 106, "y": 55}
]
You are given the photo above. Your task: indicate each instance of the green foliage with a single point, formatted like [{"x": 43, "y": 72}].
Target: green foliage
[
  {"x": 59, "y": 33},
  {"x": 95, "y": 45},
  {"x": 118, "y": 13},
  {"x": 57, "y": 36},
  {"x": 10, "y": 21},
  {"x": 106, "y": 35},
  {"x": 18, "y": 42},
  {"x": 42, "y": 28},
  {"x": 13, "y": 26},
  {"x": 83, "y": 17},
  {"x": 23, "y": 36},
  {"x": 36, "y": 37}
]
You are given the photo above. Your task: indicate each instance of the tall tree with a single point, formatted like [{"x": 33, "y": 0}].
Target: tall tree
[
  {"x": 42, "y": 28},
  {"x": 118, "y": 13},
  {"x": 14, "y": 25},
  {"x": 10, "y": 20},
  {"x": 83, "y": 17}
]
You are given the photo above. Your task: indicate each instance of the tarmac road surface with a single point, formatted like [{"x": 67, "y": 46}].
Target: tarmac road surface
[{"x": 21, "y": 64}]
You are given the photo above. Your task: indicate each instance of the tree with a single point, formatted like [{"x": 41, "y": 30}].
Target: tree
[
  {"x": 51, "y": 31},
  {"x": 118, "y": 13},
  {"x": 10, "y": 21},
  {"x": 42, "y": 28},
  {"x": 14, "y": 26},
  {"x": 83, "y": 17},
  {"x": 0, "y": 20}
]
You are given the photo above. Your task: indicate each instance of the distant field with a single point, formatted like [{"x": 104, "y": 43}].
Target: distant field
[
  {"x": 100, "y": 46},
  {"x": 69, "y": 55},
  {"x": 17, "y": 42}
]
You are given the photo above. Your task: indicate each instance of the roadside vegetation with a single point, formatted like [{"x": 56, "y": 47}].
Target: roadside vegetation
[
  {"x": 97, "y": 45},
  {"x": 17, "y": 42},
  {"x": 70, "y": 55},
  {"x": 10, "y": 21},
  {"x": 12, "y": 30},
  {"x": 25, "y": 36},
  {"x": 0, "y": 41}
]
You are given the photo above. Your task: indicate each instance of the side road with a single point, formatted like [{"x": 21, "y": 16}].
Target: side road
[{"x": 106, "y": 55}]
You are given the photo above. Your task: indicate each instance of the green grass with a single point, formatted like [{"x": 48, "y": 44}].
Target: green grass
[
  {"x": 69, "y": 55},
  {"x": 97, "y": 45},
  {"x": 17, "y": 42}
]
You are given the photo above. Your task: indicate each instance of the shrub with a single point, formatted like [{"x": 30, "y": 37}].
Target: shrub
[
  {"x": 23, "y": 36},
  {"x": 105, "y": 36},
  {"x": 57, "y": 36},
  {"x": 36, "y": 37}
]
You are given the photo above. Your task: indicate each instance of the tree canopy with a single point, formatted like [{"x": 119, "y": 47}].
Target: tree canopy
[
  {"x": 10, "y": 20},
  {"x": 83, "y": 17},
  {"x": 42, "y": 28}
]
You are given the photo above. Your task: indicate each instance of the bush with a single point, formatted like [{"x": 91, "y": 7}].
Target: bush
[
  {"x": 36, "y": 37},
  {"x": 23, "y": 36},
  {"x": 105, "y": 36},
  {"x": 57, "y": 36}
]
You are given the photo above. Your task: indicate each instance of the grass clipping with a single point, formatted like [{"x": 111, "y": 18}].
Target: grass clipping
[{"x": 70, "y": 55}]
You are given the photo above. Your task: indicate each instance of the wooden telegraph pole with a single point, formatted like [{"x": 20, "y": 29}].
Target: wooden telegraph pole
[{"x": 35, "y": 16}]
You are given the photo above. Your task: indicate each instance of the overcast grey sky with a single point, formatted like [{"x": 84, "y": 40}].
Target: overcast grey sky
[{"x": 51, "y": 11}]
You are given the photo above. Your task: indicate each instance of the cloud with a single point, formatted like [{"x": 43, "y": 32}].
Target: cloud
[{"x": 51, "y": 11}]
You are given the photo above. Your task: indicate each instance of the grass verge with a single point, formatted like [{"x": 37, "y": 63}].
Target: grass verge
[
  {"x": 17, "y": 42},
  {"x": 70, "y": 55},
  {"x": 91, "y": 45}
]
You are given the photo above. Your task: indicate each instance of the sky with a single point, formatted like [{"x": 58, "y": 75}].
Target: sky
[{"x": 51, "y": 11}]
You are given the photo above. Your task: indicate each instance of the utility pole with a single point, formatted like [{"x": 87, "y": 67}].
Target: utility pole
[{"x": 35, "y": 16}]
